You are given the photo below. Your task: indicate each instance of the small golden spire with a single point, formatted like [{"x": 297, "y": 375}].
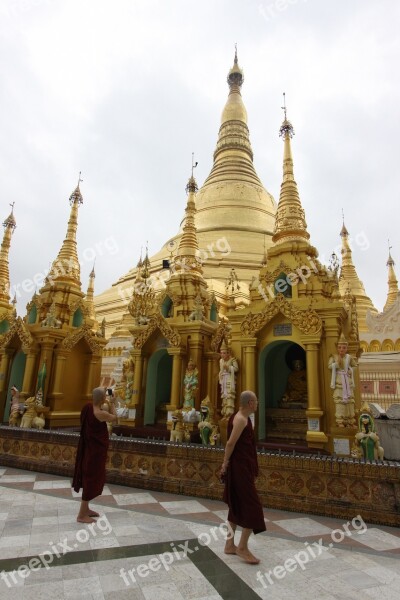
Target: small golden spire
[
  {"x": 290, "y": 223},
  {"x": 9, "y": 226},
  {"x": 187, "y": 255},
  {"x": 349, "y": 277},
  {"x": 393, "y": 287},
  {"x": 66, "y": 267},
  {"x": 89, "y": 300}
]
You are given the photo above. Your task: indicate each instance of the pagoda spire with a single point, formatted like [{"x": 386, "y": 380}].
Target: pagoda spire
[
  {"x": 233, "y": 153},
  {"x": 89, "y": 300},
  {"x": 290, "y": 223},
  {"x": 188, "y": 250},
  {"x": 350, "y": 282},
  {"x": 9, "y": 227},
  {"x": 66, "y": 267},
  {"x": 393, "y": 287}
]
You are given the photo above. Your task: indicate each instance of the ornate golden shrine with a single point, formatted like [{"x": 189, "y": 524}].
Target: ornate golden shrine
[{"x": 58, "y": 345}]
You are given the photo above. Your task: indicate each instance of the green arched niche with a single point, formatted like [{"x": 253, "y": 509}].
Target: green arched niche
[
  {"x": 158, "y": 384},
  {"x": 77, "y": 319},
  {"x": 4, "y": 326},
  {"x": 273, "y": 370},
  {"x": 32, "y": 315},
  {"x": 166, "y": 307}
]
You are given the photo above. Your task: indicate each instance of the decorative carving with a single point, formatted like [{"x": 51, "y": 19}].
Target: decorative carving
[
  {"x": 51, "y": 320},
  {"x": 158, "y": 321},
  {"x": 222, "y": 333},
  {"x": 83, "y": 332},
  {"x": 198, "y": 311},
  {"x": 18, "y": 328},
  {"x": 144, "y": 303},
  {"x": 307, "y": 321}
]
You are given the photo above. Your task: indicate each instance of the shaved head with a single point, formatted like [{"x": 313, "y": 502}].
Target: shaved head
[
  {"x": 246, "y": 397},
  {"x": 99, "y": 395}
]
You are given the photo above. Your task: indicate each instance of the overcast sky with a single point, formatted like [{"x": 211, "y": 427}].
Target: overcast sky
[{"x": 125, "y": 91}]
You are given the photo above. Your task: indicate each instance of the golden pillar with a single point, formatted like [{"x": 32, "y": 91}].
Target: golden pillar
[
  {"x": 56, "y": 393},
  {"x": 315, "y": 437},
  {"x": 135, "y": 406},
  {"x": 90, "y": 379},
  {"x": 212, "y": 359},
  {"x": 28, "y": 384},
  {"x": 176, "y": 386},
  {"x": 249, "y": 375},
  {"x": 5, "y": 367}
]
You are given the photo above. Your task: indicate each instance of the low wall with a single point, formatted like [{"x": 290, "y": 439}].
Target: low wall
[{"x": 337, "y": 487}]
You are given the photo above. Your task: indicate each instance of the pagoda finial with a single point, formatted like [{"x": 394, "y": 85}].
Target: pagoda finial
[
  {"x": 284, "y": 104},
  {"x": 191, "y": 184},
  {"x": 286, "y": 129},
  {"x": 235, "y": 75}
]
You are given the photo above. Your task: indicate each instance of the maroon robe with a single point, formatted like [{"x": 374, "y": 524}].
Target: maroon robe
[
  {"x": 245, "y": 508},
  {"x": 91, "y": 455}
]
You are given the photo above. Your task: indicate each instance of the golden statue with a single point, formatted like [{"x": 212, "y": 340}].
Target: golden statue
[
  {"x": 296, "y": 386},
  {"x": 228, "y": 367},
  {"x": 178, "y": 430},
  {"x": 128, "y": 369},
  {"x": 190, "y": 385},
  {"x": 15, "y": 408},
  {"x": 342, "y": 383},
  {"x": 30, "y": 413}
]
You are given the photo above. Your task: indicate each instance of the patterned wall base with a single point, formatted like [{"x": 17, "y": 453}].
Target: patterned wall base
[{"x": 342, "y": 488}]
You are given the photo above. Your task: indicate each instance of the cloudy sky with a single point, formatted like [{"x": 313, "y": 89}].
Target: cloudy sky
[{"x": 125, "y": 91}]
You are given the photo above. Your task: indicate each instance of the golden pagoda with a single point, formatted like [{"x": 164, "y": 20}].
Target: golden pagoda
[
  {"x": 235, "y": 218},
  {"x": 58, "y": 345}
]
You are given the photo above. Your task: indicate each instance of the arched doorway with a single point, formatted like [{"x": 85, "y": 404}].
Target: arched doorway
[
  {"x": 274, "y": 367},
  {"x": 158, "y": 384},
  {"x": 16, "y": 378}
]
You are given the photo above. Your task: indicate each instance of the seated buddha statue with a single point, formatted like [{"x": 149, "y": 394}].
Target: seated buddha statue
[{"x": 296, "y": 386}]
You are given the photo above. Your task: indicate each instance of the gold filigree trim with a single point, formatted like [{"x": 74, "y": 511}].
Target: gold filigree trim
[
  {"x": 17, "y": 327},
  {"x": 307, "y": 321},
  {"x": 83, "y": 332},
  {"x": 158, "y": 322}
]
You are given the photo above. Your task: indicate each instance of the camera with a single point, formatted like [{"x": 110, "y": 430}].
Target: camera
[{"x": 109, "y": 392}]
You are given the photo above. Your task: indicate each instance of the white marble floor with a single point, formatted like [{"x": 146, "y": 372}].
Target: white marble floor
[{"x": 154, "y": 546}]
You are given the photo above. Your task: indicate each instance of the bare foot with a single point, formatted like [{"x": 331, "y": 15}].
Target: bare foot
[
  {"x": 93, "y": 513},
  {"x": 230, "y": 548},
  {"x": 247, "y": 556},
  {"x": 85, "y": 519}
]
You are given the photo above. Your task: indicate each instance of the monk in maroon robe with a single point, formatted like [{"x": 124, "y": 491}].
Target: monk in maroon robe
[
  {"x": 239, "y": 470},
  {"x": 91, "y": 455}
]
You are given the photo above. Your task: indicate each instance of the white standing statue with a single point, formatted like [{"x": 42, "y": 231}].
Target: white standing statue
[{"x": 228, "y": 367}]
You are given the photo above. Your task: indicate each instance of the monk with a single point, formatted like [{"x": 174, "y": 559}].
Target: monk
[
  {"x": 90, "y": 465},
  {"x": 239, "y": 470}
]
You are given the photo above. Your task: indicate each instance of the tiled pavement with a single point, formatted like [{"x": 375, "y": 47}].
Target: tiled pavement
[{"x": 156, "y": 546}]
